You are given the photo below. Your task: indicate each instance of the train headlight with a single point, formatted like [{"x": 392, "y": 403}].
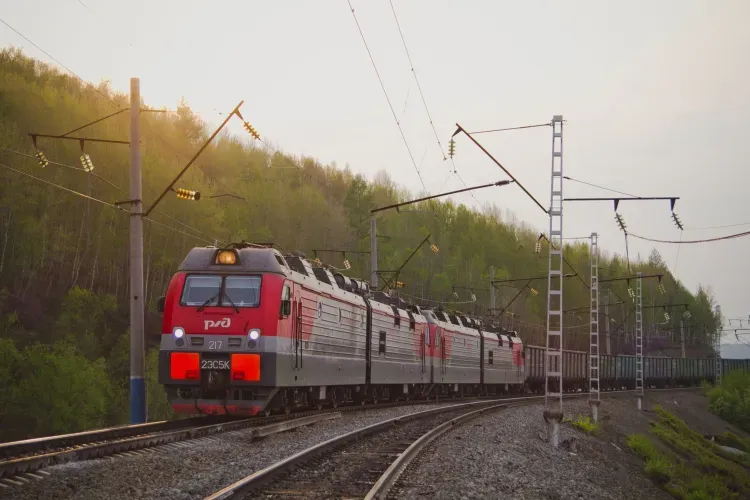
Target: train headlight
[
  {"x": 254, "y": 334},
  {"x": 178, "y": 332}
]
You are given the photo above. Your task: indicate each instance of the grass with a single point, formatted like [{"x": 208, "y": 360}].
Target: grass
[
  {"x": 731, "y": 400},
  {"x": 735, "y": 441},
  {"x": 582, "y": 423},
  {"x": 691, "y": 467}
]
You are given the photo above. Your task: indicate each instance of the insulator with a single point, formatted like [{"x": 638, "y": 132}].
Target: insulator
[
  {"x": 187, "y": 194},
  {"x": 451, "y": 148},
  {"x": 347, "y": 265},
  {"x": 251, "y": 130},
  {"x": 43, "y": 161},
  {"x": 86, "y": 162},
  {"x": 434, "y": 248}
]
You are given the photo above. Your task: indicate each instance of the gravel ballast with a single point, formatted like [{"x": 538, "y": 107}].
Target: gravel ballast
[
  {"x": 191, "y": 469},
  {"x": 505, "y": 455}
]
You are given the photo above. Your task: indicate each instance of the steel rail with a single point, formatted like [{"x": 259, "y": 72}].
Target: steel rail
[
  {"x": 391, "y": 475},
  {"x": 263, "y": 476},
  {"x": 46, "y": 443},
  {"x": 9, "y": 468}
]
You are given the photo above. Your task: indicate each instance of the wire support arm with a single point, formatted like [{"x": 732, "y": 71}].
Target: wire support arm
[
  {"x": 461, "y": 129},
  {"x": 235, "y": 111},
  {"x": 397, "y": 205},
  {"x": 395, "y": 275}
]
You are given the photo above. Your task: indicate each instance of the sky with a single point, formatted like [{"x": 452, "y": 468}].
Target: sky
[{"x": 656, "y": 98}]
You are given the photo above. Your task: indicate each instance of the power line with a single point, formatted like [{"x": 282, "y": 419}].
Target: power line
[
  {"x": 112, "y": 205},
  {"x": 108, "y": 98},
  {"x": 398, "y": 124},
  {"x": 419, "y": 87},
  {"x": 717, "y": 227},
  {"x": 57, "y": 61},
  {"x": 678, "y": 254},
  {"x": 86, "y": 6},
  {"x": 598, "y": 186},
  {"x": 110, "y": 184},
  {"x": 465, "y": 185},
  {"x": 685, "y": 242},
  {"x": 548, "y": 124}
]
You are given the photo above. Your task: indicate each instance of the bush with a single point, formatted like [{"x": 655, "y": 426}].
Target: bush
[
  {"x": 51, "y": 390},
  {"x": 731, "y": 400}
]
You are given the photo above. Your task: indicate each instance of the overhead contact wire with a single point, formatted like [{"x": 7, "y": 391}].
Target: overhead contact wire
[
  {"x": 419, "y": 87},
  {"x": 390, "y": 105}
]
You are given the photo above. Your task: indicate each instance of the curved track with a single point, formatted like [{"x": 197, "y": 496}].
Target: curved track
[{"x": 368, "y": 461}]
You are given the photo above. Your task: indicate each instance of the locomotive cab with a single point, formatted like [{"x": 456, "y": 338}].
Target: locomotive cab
[{"x": 215, "y": 336}]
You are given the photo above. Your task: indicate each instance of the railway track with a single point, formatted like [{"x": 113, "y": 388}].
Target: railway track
[
  {"x": 367, "y": 462},
  {"x": 24, "y": 457}
]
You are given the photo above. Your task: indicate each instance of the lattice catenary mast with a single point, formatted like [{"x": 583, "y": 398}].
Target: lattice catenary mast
[
  {"x": 553, "y": 388},
  {"x": 594, "y": 399},
  {"x": 639, "y": 341}
]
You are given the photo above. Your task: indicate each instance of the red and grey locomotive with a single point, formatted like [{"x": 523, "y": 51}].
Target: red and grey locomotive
[{"x": 248, "y": 330}]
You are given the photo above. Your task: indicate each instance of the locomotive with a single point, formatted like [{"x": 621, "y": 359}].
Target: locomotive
[{"x": 248, "y": 330}]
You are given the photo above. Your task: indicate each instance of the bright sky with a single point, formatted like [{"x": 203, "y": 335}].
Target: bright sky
[{"x": 656, "y": 96}]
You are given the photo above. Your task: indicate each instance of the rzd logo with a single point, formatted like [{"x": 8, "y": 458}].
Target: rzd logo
[{"x": 224, "y": 323}]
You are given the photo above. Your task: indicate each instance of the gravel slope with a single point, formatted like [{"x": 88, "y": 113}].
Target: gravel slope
[
  {"x": 504, "y": 455},
  {"x": 190, "y": 469}
]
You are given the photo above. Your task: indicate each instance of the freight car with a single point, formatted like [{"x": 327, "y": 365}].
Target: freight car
[{"x": 247, "y": 330}]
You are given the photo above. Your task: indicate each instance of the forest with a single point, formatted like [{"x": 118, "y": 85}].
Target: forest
[{"x": 64, "y": 257}]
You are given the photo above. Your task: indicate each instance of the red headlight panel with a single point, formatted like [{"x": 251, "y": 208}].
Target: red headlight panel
[
  {"x": 246, "y": 367},
  {"x": 184, "y": 365}
]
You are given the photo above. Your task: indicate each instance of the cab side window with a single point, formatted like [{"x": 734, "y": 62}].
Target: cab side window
[{"x": 286, "y": 302}]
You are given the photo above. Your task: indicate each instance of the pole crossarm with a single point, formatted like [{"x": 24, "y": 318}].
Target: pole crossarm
[
  {"x": 142, "y": 110},
  {"x": 672, "y": 199},
  {"x": 464, "y": 287},
  {"x": 468, "y": 134},
  {"x": 411, "y": 202},
  {"x": 337, "y": 250},
  {"x": 632, "y": 277},
  {"x": 510, "y": 280},
  {"x": 395, "y": 275},
  {"x": 502, "y": 311},
  {"x": 79, "y": 139},
  {"x": 235, "y": 111}
]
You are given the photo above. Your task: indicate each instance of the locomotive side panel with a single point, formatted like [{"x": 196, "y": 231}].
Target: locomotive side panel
[
  {"x": 328, "y": 346},
  {"x": 459, "y": 360},
  {"x": 396, "y": 345},
  {"x": 500, "y": 366}
]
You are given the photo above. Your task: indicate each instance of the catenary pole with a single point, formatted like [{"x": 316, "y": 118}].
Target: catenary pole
[
  {"x": 373, "y": 253},
  {"x": 137, "y": 365}
]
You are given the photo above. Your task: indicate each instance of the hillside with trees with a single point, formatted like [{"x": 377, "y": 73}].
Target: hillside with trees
[{"x": 64, "y": 258}]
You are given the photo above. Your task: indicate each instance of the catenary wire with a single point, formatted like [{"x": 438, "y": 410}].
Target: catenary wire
[
  {"x": 105, "y": 96},
  {"x": 687, "y": 242},
  {"x": 419, "y": 87},
  {"x": 57, "y": 61},
  {"x": 390, "y": 105},
  {"x": 186, "y": 226},
  {"x": 677, "y": 258},
  {"x": 598, "y": 186},
  {"x": 548, "y": 124},
  {"x": 112, "y": 205}
]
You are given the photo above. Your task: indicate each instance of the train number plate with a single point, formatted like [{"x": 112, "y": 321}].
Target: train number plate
[{"x": 215, "y": 364}]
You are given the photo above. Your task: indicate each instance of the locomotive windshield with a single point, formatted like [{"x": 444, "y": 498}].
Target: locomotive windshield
[{"x": 238, "y": 291}]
